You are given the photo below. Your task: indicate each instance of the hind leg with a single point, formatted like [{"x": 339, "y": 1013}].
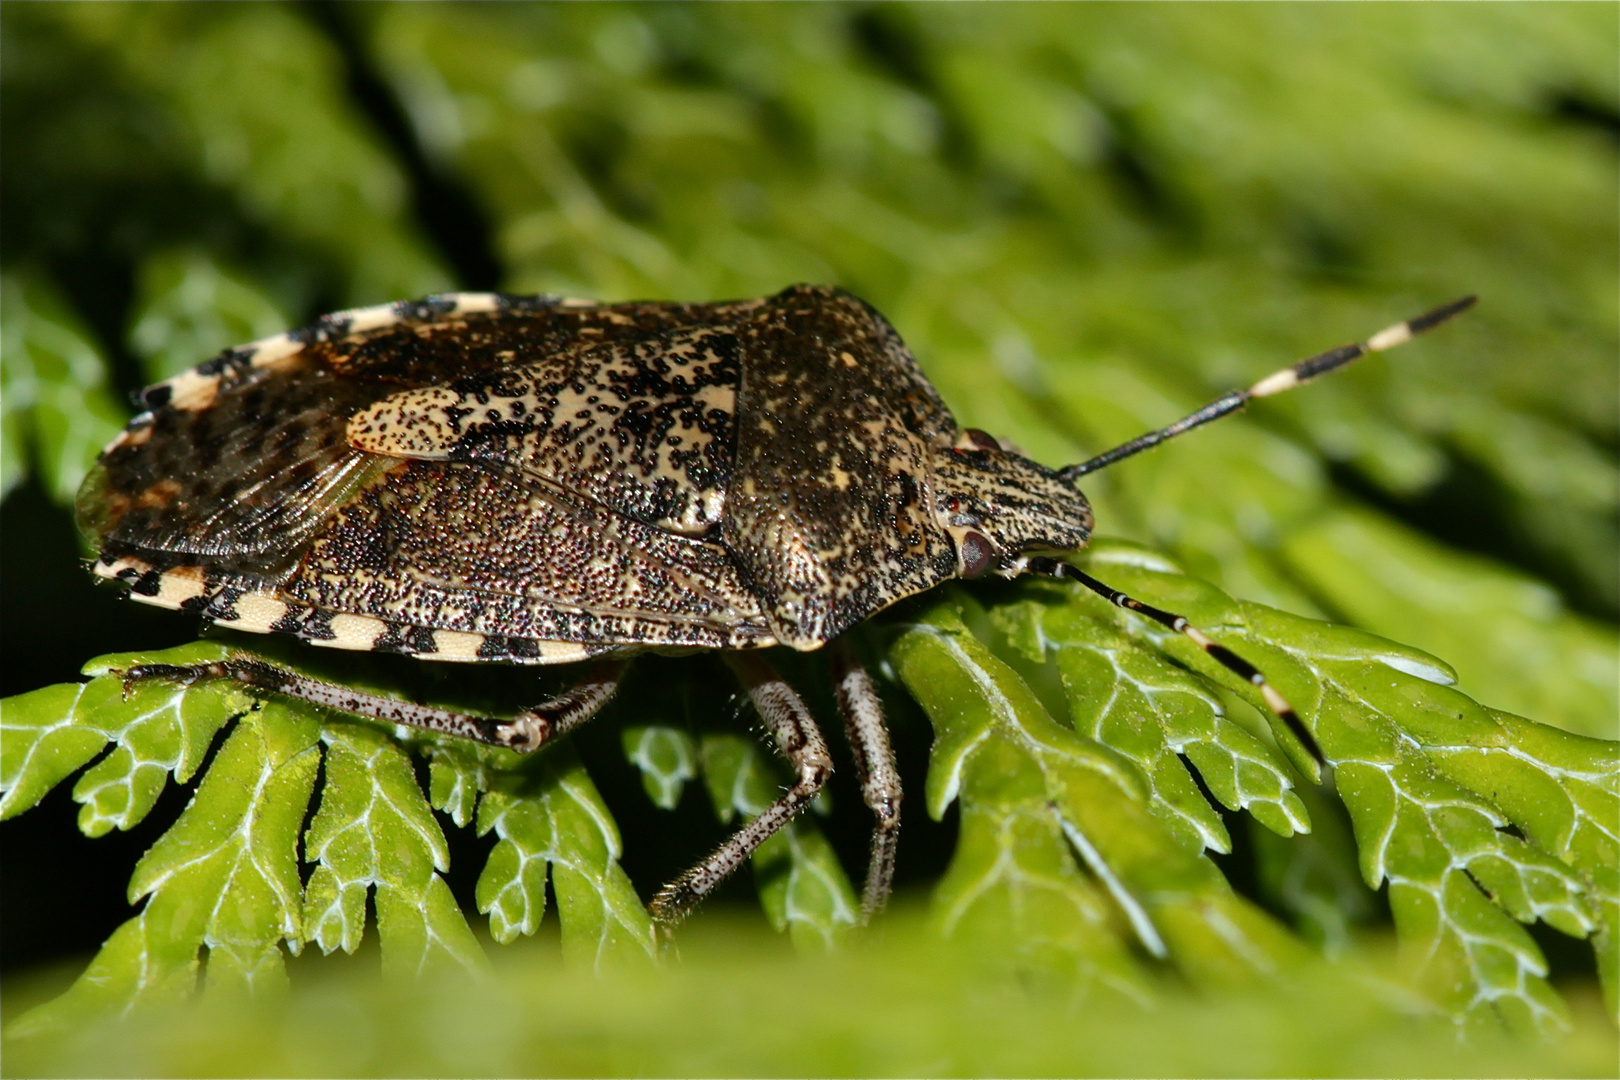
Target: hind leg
[{"x": 528, "y": 730}]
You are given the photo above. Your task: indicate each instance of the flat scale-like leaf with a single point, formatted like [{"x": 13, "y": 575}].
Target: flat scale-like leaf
[
  {"x": 159, "y": 729},
  {"x": 375, "y": 831},
  {"x": 224, "y": 878},
  {"x": 1058, "y": 844},
  {"x": 1314, "y": 878},
  {"x": 802, "y": 887},
  {"x": 547, "y": 815},
  {"x": 666, "y": 757},
  {"x": 1156, "y": 714},
  {"x": 1513, "y": 631},
  {"x": 1415, "y": 762}
]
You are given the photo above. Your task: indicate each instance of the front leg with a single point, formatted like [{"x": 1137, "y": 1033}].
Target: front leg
[
  {"x": 800, "y": 741},
  {"x": 527, "y": 731}
]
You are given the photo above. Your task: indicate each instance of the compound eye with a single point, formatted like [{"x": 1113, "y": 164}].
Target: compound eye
[
  {"x": 979, "y": 440},
  {"x": 976, "y": 553}
]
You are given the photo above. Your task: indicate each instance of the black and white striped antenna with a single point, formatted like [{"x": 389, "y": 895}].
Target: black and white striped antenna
[{"x": 1275, "y": 383}]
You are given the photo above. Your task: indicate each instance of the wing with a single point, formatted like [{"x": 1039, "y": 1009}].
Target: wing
[
  {"x": 454, "y": 561},
  {"x": 240, "y": 478},
  {"x": 241, "y": 485},
  {"x": 645, "y": 427},
  {"x": 478, "y": 550},
  {"x": 240, "y": 459}
]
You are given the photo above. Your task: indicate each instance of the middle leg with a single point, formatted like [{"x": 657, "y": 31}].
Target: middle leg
[{"x": 876, "y": 770}]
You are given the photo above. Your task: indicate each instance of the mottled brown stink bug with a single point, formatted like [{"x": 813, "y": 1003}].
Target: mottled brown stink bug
[{"x": 475, "y": 477}]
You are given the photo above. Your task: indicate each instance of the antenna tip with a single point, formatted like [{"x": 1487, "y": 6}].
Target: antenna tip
[{"x": 1434, "y": 318}]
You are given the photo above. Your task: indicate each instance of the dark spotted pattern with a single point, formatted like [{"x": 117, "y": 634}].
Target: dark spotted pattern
[
  {"x": 522, "y": 478},
  {"x": 643, "y": 427},
  {"x": 529, "y": 564}
]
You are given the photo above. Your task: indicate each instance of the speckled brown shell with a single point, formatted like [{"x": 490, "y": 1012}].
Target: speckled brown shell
[{"x": 483, "y": 477}]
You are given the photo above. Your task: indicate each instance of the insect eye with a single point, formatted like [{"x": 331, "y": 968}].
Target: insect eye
[
  {"x": 977, "y": 554},
  {"x": 978, "y": 440}
]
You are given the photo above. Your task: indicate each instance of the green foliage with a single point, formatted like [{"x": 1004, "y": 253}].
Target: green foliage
[
  {"x": 1085, "y": 220},
  {"x": 56, "y": 410},
  {"x": 1510, "y": 629},
  {"x": 53, "y": 732},
  {"x": 802, "y": 887},
  {"x": 546, "y": 816},
  {"x": 374, "y": 833},
  {"x": 223, "y": 883},
  {"x": 1422, "y": 770},
  {"x": 225, "y": 876},
  {"x": 190, "y": 306},
  {"x": 739, "y": 1004},
  {"x": 1073, "y": 847},
  {"x": 667, "y": 759},
  {"x": 1039, "y": 803}
]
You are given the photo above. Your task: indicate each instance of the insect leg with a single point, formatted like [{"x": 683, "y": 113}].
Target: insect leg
[
  {"x": 571, "y": 708},
  {"x": 526, "y": 731},
  {"x": 874, "y": 765},
  {"x": 1218, "y": 652},
  {"x": 800, "y": 741}
]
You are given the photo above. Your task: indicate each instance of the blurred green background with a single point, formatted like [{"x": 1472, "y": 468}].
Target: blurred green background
[{"x": 1084, "y": 219}]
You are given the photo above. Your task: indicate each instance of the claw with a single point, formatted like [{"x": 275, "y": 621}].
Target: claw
[{"x": 525, "y": 732}]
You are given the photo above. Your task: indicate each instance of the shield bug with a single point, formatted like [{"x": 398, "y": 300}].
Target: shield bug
[{"x": 475, "y": 477}]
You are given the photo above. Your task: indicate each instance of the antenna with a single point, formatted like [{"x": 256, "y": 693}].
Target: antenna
[
  {"x": 1276, "y": 383},
  {"x": 1228, "y": 659}
]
